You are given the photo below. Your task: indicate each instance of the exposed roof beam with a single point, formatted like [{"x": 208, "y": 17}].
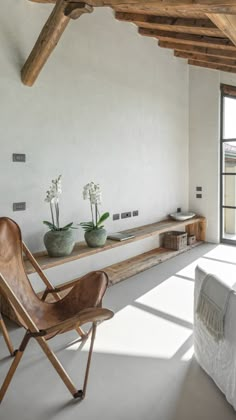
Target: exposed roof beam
[
  {"x": 49, "y": 37},
  {"x": 227, "y": 24},
  {"x": 196, "y": 49},
  {"x": 200, "y": 40},
  {"x": 213, "y": 66},
  {"x": 205, "y": 6},
  {"x": 206, "y": 58},
  {"x": 192, "y": 26}
]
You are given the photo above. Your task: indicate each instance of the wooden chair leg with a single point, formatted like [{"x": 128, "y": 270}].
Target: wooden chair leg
[
  {"x": 94, "y": 328},
  {"x": 57, "y": 366},
  {"x": 61, "y": 371},
  {"x": 55, "y": 362},
  {"x": 6, "y": 336},
  {"x": 82, "y": 334},
  {"x": 15, "y": 363}
]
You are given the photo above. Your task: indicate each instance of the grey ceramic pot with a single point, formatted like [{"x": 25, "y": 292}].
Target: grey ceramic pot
[
  {"x": 59, "y": 243},
  {"x": 96, "y": 238}
]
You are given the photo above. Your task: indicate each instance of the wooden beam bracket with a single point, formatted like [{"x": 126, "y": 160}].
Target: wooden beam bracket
[{"x": 75, "y": 9}]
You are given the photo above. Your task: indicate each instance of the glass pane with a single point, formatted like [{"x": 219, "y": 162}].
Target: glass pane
[
  {"x": 229, "y": 190},
  {"x": 229, "y": 119},
  {"x": 229, "y": 224},
  {"x": 229, "y": 156}
]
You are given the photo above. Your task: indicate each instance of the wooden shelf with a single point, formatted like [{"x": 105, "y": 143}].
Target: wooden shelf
[
  {"x": 196, "y": 225},
  {"x": 128, "y": 268},
  {"x": 135, "y": 265}
]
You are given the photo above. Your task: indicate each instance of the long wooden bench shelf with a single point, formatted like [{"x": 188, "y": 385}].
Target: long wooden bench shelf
[
  {"x": 135, "y": 265},
  {"x": 196, "y": 226},
  {"x": 128, "y": 268}
]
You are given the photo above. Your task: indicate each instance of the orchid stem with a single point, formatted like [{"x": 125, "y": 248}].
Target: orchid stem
[
  {"x": 91, "y": 206},
  {"x": 53, "y": 222}
]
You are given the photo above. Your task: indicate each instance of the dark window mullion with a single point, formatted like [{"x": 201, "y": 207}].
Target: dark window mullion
[
  {"x": 223, "y": 140},
  {"x": 228, "y": 173}
]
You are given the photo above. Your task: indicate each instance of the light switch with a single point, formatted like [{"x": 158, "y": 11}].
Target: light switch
[{"x": 18, "y": 157}]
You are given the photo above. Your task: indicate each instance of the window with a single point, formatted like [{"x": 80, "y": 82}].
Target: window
[{"x": 228, "y": 164}]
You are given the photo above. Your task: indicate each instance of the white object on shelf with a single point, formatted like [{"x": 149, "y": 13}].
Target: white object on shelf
[{"x": 182, "y": 215}]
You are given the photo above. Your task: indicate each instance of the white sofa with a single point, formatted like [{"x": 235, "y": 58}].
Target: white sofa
[{"x": 217, "y": 359}]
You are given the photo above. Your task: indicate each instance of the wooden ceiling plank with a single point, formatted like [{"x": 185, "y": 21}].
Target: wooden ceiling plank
[
  {"x": 212, "y": 66},
  {"x": 167, "y": 23},
  {"x": 200, "y": 40},
  {"x": 226, "y": 23},
  {"x": 49, "y": 37},
  {"x": 195, "y": 30},
  {"x": 163, "y": 12},
  {"x": 198, "y": 49},
  {"x": 206, "y": 58}
]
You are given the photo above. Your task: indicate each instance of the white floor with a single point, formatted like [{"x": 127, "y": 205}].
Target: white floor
[{"x": 143, "y": 365}]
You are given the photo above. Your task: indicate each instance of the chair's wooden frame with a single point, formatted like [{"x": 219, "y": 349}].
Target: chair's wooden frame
[
  {"x": 6, "y": 336},
  {"x": 93, "y": 315}
]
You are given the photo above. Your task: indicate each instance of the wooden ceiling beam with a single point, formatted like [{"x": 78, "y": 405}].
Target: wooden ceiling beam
[
  {"x": 167, "y": 23},
  {"x": 206, "y": 58},
  {"x": 200, "y": 40},
  {"x": 196, "y": 49},
  {"x": 204, "y": 6},
  {"x": 49, "y": 37},
  {"x": 213, "y": 66},
  {"x": 226, "y": 23}
]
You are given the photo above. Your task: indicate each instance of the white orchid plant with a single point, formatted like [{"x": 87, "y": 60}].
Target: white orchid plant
[
  {"x": 92, "y": 192},
  {"x": 52, "y": 197}
]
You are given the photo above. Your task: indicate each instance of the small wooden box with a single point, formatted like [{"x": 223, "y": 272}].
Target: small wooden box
[
  {"x": 191, "y": 239},
  {"x": 175, "y": 240}
]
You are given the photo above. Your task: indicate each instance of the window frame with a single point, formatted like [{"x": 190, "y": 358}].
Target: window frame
[{"x": 227, "y": 91}]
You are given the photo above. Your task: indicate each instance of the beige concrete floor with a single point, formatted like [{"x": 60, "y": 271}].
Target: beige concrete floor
[{"x": 143, "y": 365}]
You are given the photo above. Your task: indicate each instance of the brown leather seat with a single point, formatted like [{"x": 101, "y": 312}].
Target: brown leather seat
[{"x": 41, "y": 319}]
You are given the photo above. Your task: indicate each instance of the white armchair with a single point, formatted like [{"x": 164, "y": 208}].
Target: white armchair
[{"x": 217, "y": 359}]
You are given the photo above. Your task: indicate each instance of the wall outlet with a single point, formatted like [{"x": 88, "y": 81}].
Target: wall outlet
[
  {"x": 116, "y": 216},
  {"x": 125, "y": 215},
  {"x": 198, "y": 195},
  {"x": 19, "y": 206},
  {"x": 18, "y": 157},
  {"x": 198, "y": 188},
  {"x": 135, "y": 213}
]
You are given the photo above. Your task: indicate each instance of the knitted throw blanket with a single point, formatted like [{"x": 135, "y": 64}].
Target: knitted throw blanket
[{"x": 212, "y": 305}]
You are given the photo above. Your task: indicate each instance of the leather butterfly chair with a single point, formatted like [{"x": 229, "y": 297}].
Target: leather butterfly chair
[{"x": 43, "y": 320}]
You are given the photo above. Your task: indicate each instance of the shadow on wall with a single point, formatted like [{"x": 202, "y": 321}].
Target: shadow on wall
[{"x": 11, "y": 39}]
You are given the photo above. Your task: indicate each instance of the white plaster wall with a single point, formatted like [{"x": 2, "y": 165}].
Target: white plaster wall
[
  {"x": 109, "y": 106},
  {"x": 204, "y": 143}
]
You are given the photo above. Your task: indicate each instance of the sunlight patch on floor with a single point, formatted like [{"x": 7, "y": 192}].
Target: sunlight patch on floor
[
  {"x": 159, "y": 323},
  {"x": 224, "y": 253},
  {"x": 188, "y": 355},
  {"x": 155, "y": 325},
  {"x": 174, "y": 297}
]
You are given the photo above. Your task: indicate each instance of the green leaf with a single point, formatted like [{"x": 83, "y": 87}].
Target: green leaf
[
  {"x": 50, "y": 225},
  {"x": 103, "y": 217},
  {"x": 88, "y": 229},
  {"x": 67, "y": 227},
  {"x": 87, "y": 224}
]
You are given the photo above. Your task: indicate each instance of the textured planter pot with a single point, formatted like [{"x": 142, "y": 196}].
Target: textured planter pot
[
  {"x": 59, "y": 243},
  {"x": 96, "y": 238}
]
